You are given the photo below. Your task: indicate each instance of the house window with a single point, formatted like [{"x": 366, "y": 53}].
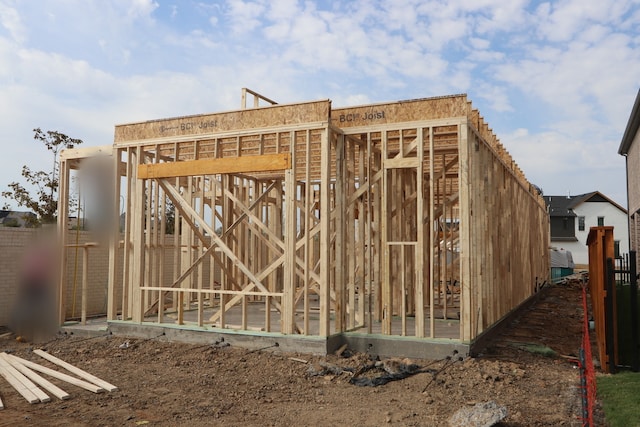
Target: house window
[
  {"x": 616, "y": 248},
  {"x": 581, "y": 223},
  {"x": 600, "y": 221},
  {"x": 565, "y": 222}
]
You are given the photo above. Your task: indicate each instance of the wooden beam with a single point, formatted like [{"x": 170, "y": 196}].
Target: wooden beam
[
  {"x": 42, "y": 382},
  {"x": 58, "y": 375},
  {"x": 26, "y": 388},
  {"x": 231, "y": 165},
  {"x": 79, "y": 372}
]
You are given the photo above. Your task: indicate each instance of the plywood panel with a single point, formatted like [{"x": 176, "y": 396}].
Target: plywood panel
[
  {"x": 277, "y": 115},
  {"x": 401, "y": 111}
]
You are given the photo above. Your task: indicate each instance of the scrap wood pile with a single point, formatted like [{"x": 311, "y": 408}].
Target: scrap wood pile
[
  {"x": 576, "y": 280},
  {"x": 372, "y": 372},
  {"x": 21, "y": 374}
]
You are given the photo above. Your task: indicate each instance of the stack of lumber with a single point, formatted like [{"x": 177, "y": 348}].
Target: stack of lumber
[{"x": 21, "y": 374}]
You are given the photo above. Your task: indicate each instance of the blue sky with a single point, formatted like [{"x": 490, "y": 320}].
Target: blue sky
[{"x": 555, "y": 80}]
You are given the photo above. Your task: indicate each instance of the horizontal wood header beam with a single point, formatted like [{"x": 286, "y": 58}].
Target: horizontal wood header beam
[
  {"x": 209, "y": 124},
  {"x": 246, "y": 164}
]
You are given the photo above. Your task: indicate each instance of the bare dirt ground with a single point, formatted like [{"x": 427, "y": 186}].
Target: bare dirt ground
[{"x": 172, "y": 384}]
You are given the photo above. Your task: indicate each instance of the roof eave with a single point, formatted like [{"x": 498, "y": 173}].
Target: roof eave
[{"x": 632, "y": 127}]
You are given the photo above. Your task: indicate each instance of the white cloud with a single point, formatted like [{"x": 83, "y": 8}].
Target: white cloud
[
  {"x": 10, "y": 20},
  {"x": 560, "y": 97},
  {"x": 244, "y": 16}
]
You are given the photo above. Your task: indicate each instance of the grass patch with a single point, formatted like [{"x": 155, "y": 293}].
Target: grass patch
[
  {"x": 620, "y": 397},
  {"x": 534, "y": 348}
]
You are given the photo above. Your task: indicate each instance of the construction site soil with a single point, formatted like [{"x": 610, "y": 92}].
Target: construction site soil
[{"x": 174, "y": 384}]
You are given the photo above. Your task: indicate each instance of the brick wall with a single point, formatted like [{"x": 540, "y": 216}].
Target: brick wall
[
  {"x": 12, "y": 244},
  {"x": 14, "y": 241}
]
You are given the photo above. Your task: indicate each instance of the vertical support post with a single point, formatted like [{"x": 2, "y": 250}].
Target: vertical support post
[
  {"x": 85, "y": 287},
  {"x": 433, "y": 238},
  {"x": 386, "y": 297},
  {"x": 325, "y": 232},
  {"x": 340, "y": 203},
  {"x": 466, "y": 308},
  {"x": 369, "y": 286},
  {"x": 114, "y": 243},
  {"x": 63, "y": 215},
  {"x": 137, "y": 235},
  {"x": 289, "y": 290},
  {"x": 610, "y": 317},
  {"x": 308, "y": 202},
  {"x": 420, "y": 245},
  {"x": 633, "y": 294}
]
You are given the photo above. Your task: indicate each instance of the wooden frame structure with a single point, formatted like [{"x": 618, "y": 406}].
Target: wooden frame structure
[{"x": 405, "y": 218}]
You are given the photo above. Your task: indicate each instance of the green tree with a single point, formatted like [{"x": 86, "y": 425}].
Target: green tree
[{"x": 44, "y": 201}]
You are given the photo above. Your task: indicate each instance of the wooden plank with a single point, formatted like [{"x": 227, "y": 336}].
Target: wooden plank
[
  {"x": 421, "y": 245},
  {"x": 18, "y": 386},
  {"x": 41, "y": 381},
  {"x": 287, "y": 314},
  {"x": 466, "y": 307},
  {"x": 406, "y": 162},
  {"x": 386, "y": 294},
  {"x": 58, "y": 375},
  {"x": 85, "y": 284},
  {"x": 307, "y": 238},
  {"x": 339, "y": 246},
  {"x": 114, "y": 249},
  {"x": 325, "y": 234},
  {"x": 138, "y": 238},
  {"x": 231, "y": 165},
  {"x": 26, "y": 388},
  {"x": 82, "y": 374},
  {"x": 85, "y": 152},
  {"x": 62, "y": 232},
  {"x": 433, "y": 237}
]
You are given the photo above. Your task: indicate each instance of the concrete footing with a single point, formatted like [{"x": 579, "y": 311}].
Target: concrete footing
[{"x": 373, "y": 344}]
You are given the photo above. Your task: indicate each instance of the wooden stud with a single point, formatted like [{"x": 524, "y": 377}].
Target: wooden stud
[
  {"x": 325, "y": 233},
  {"x": 114, "y": 242}
]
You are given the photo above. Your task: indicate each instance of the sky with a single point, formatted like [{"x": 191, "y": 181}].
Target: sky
[{"x": 555, "y": 80}]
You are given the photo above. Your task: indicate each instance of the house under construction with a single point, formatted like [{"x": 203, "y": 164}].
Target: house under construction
[{"x": 404, "y": 222}]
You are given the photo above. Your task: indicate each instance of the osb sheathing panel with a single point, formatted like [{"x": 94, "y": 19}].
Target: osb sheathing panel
[
  {"x": 401, "y": 111},
  {"x": 256, "y": 118}
]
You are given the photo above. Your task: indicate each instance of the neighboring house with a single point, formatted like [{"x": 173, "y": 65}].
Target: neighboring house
[
  {"x": 572, "y": 216},
  {"x": 17, "y": 219},
  {"x": 630, "y": 148}
]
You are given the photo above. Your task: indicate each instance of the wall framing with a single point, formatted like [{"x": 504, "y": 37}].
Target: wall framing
[{"x": 406, "y": 218}]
